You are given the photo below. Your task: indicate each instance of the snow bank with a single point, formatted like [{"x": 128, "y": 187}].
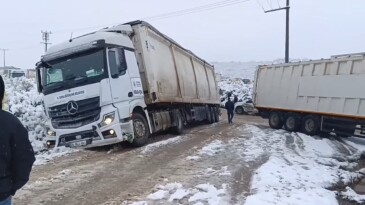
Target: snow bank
[
  {"x": 351, "y": 195},
  {"x": 235, "y": 87},
  {"x": 23, "y": 100}
]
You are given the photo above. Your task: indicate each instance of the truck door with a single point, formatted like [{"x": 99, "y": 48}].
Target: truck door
[{"x": 119, "y": 79}]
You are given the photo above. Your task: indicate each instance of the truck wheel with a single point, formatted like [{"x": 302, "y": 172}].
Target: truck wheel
[
  {"x": 179, "y": 128},
  {"x": 239, "y": 110},
  {"x": 310, "y": 125},
  {"x": 275, "y": 120},
  {"x": 216, "y": 114},
  {"x": 292, "y": 122},
  {"x": 209, "y": 115},
  {"x": 141, "y": 130}
]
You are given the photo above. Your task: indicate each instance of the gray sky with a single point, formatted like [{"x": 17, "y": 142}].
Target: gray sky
[{"x": 241, "y": 32}]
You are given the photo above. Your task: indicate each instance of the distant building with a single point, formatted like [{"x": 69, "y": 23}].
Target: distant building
[
  {"x": 11, "y": 72},
  {"x": 3, "y": 70},
  {"x": 218, "y": 77}
]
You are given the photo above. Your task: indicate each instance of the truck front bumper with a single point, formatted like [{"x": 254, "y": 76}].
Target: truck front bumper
[{"x": 94, "y": 135}]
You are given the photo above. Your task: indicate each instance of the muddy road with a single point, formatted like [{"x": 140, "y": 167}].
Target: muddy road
[{"x": 114, "y": 176}]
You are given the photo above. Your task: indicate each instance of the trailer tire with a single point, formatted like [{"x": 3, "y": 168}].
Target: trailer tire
[
  {"x": 209, "y": 115},
  {"x": 179, "y": 128},
  {"x": 292, "y": 122},
  {"x": 310, "y": 125},
  {"x": 275, "y": 120},
  {"x": 216, "y": 114},
  {"x": 141, "y": 130}
]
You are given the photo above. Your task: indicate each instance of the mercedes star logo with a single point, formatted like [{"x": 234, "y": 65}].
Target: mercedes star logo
[{"x": 72, "y": 107}]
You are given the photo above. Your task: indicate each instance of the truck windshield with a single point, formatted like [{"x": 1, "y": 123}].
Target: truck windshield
[{"x": 85, "y": 68}]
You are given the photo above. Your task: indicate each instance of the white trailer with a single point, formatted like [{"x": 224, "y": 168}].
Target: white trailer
[
  {"x": 314, "y": 96},
  {"x": 123, "y": 84}
]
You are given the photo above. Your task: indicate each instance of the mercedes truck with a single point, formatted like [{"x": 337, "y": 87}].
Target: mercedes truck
[{"x": 123, "y": 83}]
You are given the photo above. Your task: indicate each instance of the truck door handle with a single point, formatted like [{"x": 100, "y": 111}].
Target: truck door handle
[{"x": 130, "y": 94}]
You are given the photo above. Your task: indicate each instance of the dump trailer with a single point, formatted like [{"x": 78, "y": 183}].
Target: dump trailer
[
  {"x": 123, "y": 83},
  {"x": 314, "y": 96}
]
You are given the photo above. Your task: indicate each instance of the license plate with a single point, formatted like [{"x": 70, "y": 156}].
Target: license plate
[{"x": 78, "y": 144}]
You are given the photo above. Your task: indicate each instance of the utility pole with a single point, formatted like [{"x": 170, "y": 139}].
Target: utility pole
[
  {"x": 45, "y": 37},
  {"x": 287, "y": 7},
  {"x": 4, "y": 50}
]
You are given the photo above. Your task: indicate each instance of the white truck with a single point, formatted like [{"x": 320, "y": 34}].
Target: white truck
[
  {"x": 315, "y": 96},
  {"x": 123, "y": 83}
]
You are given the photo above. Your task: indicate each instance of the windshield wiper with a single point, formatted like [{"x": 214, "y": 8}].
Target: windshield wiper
[{"x": 82, "y": 79}]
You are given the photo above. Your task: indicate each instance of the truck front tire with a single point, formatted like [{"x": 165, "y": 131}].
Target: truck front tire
[
  {"x": 275, "y": 120},
  {"x": 141, "y": 130},
  {"x": 240, "y": 110}
]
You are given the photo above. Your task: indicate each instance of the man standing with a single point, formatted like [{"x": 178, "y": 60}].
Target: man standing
[
  {"x": 230, "y": 108},
  {"x": 16, "y": 153}
]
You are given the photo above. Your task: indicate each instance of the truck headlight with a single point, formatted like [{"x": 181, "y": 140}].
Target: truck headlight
[
  {"x": 107, "y": 119},
  {"x": 51, "y": 132}
]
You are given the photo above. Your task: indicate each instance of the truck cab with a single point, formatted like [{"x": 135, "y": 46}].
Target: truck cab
[{"x": 90, "y": 86}]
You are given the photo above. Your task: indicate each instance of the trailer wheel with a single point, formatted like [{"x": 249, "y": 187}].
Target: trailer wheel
[
  {"x": 141, "y": 130},
  {"x": 292, "y": 122},
  {"x": 275, "y": 120},
  {"x": 310, "y": 125},
  {"x": 240, "y": 110},
  {"x": 179, "y": 128},
  {"x": 209, "y": 115},
  {"x": 216, "y": 114}
]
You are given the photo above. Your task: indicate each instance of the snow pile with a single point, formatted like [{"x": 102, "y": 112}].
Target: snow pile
[
  {"x": 23, "y": 100},
  {"x": 299, "y": 170},
  {"x": 351, "y": 195},
  {"x": 46, "y": 156},
  {"x": 175, "y": 193},
  {"x": 235, "y": 88}
]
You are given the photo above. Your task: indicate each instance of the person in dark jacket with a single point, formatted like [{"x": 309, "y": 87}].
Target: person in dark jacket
[
  {"x": 230, "y": 108},
  {"x": 235, "y": 99},
  {"x": 16, "y": 153}
]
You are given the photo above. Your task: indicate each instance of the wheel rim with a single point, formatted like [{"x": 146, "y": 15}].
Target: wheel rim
[
  {"x": 239, "y": 110},
  {"x": 290, "y": 122},
  {"x": 275, "y": 119},
  {"x": 139, "y": 128},
  {"x": 309, "y": 125}
]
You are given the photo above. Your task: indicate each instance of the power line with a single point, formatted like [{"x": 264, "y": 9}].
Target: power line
[
  {"x": 4, "y": 50},
  {"x": 45, "y": 37},
  {"x": 195, "y": 9}
]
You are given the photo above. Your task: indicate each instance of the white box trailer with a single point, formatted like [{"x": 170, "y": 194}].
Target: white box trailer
[
  {"x": 169, "y": 72},
  {"x": 322, "y": 95},
  {"x": 122, "y": 84}
]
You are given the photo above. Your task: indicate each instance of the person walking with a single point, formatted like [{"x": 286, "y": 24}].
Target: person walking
[
  {"x": 16, "y": 153},
  {"x": 235, "y": 99},
  {"x": 230, "y": 108}
]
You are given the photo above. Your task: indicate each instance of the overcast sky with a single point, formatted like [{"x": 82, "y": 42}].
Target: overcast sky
[{"x": 240, "y": 32}]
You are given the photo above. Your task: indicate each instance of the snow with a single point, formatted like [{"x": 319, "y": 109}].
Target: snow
[
  {"x": 200, "y": 194},
  {"x": 236, "y": 88},
  {"x": 160, "y": 194},
  {"x": 297, "y": 174},
  {"x": 212, "y": 148},
  {"x": 351, "y": 195},
  {"x": 152, "y": 147},
  {"x": 49, "y": 155}
]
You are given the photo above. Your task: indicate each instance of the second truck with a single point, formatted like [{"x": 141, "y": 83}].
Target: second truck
[
  {"x": 123, "y": 83},
  {"x": 319, "y": 96}
]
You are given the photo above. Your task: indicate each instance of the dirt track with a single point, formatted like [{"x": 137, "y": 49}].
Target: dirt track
[{"x": 102, "y": 177}]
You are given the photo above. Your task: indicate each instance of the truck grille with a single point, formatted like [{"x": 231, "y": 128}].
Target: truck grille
[{"x": 88, "y": 111}]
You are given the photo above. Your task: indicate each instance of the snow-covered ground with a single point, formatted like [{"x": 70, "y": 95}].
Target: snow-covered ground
[{"x": 297, "y": 169}]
